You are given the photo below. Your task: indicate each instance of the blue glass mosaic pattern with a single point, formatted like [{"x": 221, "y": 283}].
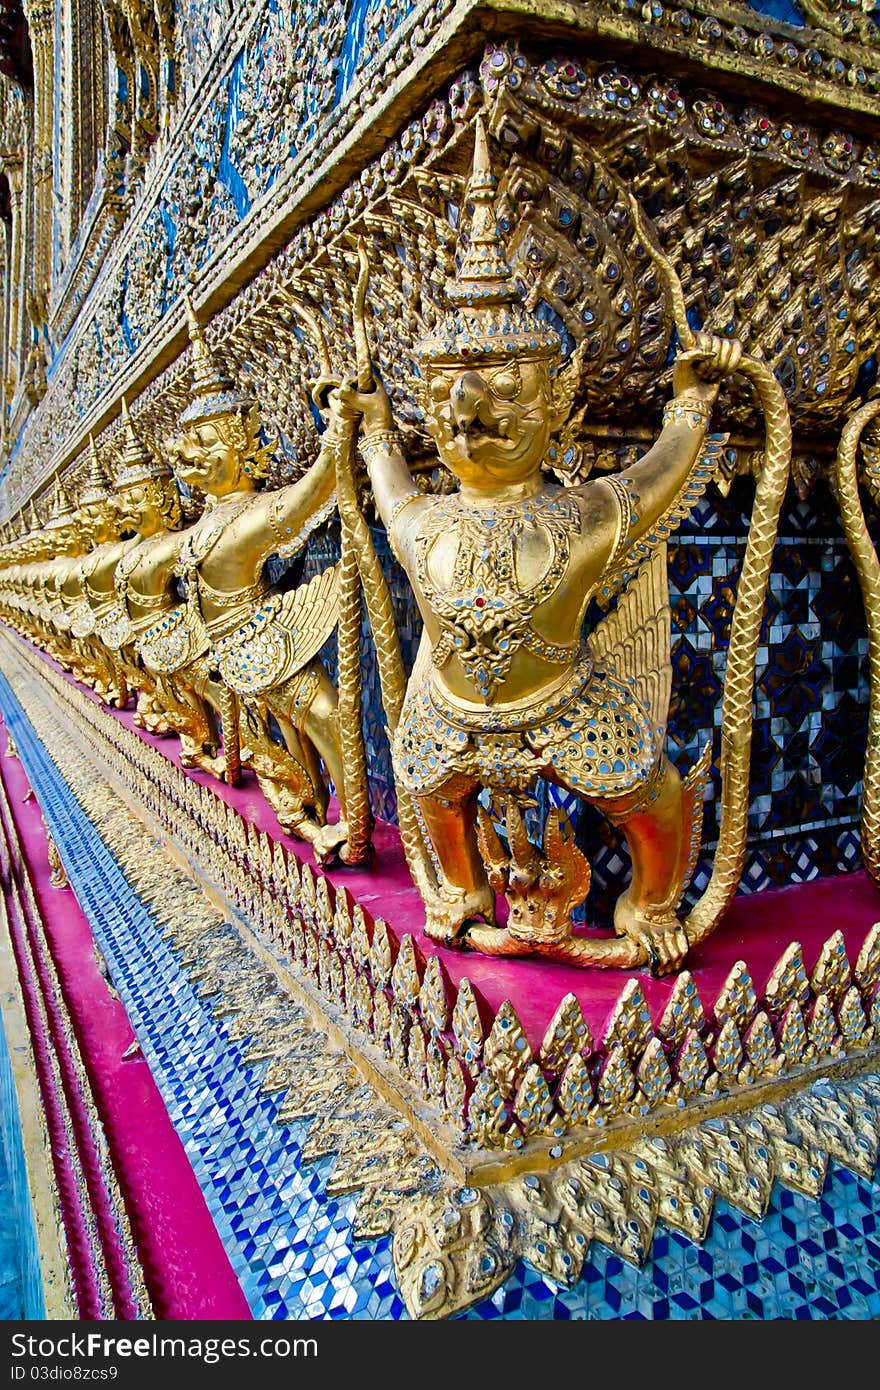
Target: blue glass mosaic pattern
[
  {"x": 21, "y": 1289},
  {"x": 805, "y": 1260},
  {"x": 786, "y": 10},
  {"x": 285, "y": 1239},
  {"x": 292, "y": 1246}
]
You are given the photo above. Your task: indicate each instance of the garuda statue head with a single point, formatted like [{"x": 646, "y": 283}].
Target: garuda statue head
[
  {"x": 97, "y": 515},
  {"x": 491, "y": 386},
  {"x": 34, "y": 541},
  {"x": 63, "y": 532},
  {"x": 218, "y": 448},
  {"x": 147, "y": 493}
]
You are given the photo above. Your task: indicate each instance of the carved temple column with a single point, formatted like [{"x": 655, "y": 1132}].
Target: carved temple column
[
  {"x": 41, "y": 23},
  {"x": 15, "y": 268}
]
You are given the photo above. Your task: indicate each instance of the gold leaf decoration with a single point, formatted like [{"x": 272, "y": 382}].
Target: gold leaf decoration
[
  {"x": 507, "y": 1053},
  {"x": 867, "y": 967},
  {"x": 630, "y": 1023},
  {"x": 788, "y": 981},
  {"x": 831, "y": 974},
  {"x": 574, "y": 1098},
  {"x": 533, "y": 1104},
  {"x": 822, "y": 1027},
  {"x": 488, "y": 1121},
  {"x": 760, "y": 1046},
  {"x": 793, "y": 1036},
  {"x": 381, "y": 950},
  {"x": 692, "y": 1065},
  {"x": 405, "y": 980},
  {"x": 737, "y": 1000},
  {"x": 467, "y": 1026},
  {"x": 653, "y": 1074},
  {"x": 567, "y": 1033},
  {"x": 683, "y": 1012},
  {"x": 727, "y": 1054},
  {"x": 434, "y": 996},
  {"x": 616, "y": 1085},
  {"x": 851, "y": 1017}
]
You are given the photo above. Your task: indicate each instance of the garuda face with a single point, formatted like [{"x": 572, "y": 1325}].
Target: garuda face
[
  {"x": 491, "y": 424},
  {"x": 211, "y": 455}
]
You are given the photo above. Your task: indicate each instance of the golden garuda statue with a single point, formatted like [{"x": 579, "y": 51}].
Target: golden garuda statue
[
  {"x": 506, "y": 687},
  {"x": 149, "y": 506},
  {"x": 263, "y": 643},
  {"x": 87, "y": 586}
]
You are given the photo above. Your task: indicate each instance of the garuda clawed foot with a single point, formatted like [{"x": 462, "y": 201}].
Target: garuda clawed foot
[
  {"x": 656, "y": 931},
  {"x": 449, "y": 912}
]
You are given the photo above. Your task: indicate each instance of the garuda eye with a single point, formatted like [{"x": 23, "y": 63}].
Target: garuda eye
[
  {"x": 438, "y": 389},
  {"x": 506, "y": 385}
]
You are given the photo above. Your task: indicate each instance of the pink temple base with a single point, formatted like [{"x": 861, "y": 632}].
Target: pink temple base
[
  {"x": 186, "y": 1269},
  {"x": 757, "y": 929}
]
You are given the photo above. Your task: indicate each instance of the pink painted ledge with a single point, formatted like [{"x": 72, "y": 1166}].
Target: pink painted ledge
[
  {"x": 757, "y": 929},
  {"x": 186, "y": 1270}
]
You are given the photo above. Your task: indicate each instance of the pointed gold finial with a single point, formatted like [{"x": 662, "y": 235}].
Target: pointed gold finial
[
  {"x": 63, "y": 505},
  {"x": 484, "y": 276},
  {"x": 97, "y": 486},
  {"x": 213, "y": 391},
  {"x": 488, "y": 321},
  {"x": 137, "y": 462},
  {"x": 206, "y": 376},
  {"x": 62, "y": 508}
]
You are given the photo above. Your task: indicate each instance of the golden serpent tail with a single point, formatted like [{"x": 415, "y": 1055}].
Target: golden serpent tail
[
  {"x": 868, "y": 567},
  {"x": 739, "y": 680},
  {"x": 231, "y": 734},
  {"x": 356, "y": 791},
  {"x": 392, "y": 677},
  {"x": 736, "y": 708}
]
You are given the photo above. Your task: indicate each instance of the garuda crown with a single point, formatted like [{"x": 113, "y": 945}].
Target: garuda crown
[
  {"x": 214, "y": 393},
  {"x": 488, "y": 320},
  {"x": 138, "y": 464},
  {"x": 97, "y": 486}
]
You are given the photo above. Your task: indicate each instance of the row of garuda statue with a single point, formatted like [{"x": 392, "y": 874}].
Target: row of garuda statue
[{"x": 506, "y": 686}]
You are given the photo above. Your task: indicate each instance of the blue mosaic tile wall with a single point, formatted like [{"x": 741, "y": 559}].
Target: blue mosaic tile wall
[
  {"x": 292, "y": 1247},
  {"x": 21, "y": 1289},
  {"x": 811, "y": 701},
  {"x": 786, "y": 10}
]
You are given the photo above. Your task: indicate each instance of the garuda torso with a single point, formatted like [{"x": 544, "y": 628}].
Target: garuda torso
[
  {"x": 259, "y": 637},
  {"x": 163, "y": 629},
  {"x": 485, "y": 605},
  {"x": 584, "y": 724}
]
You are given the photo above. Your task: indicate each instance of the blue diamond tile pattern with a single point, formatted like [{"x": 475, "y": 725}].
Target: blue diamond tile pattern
[{"x": 291, "y": 1244}]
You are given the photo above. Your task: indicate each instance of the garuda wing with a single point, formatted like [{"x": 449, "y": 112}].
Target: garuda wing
[
  {"x": 636, "y": 637},
  {"x": 632, "y": 556},
  {"x": 281, "y": 636},
  {"x": 309, "y": 614}
]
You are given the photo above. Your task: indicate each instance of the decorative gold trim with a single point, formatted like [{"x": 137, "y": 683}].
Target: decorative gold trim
[{"x": 341, "y": 965}]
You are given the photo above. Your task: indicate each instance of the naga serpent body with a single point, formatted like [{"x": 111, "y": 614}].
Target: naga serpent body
[
  {"x": 739, "y": 680},
  {"x": 868, "y": 567}
]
